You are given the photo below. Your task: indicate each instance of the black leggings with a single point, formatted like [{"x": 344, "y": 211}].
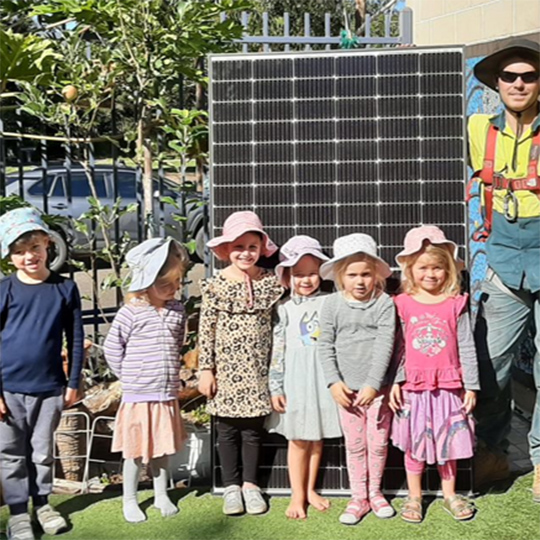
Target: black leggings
[{"x": 233, "y": 435}]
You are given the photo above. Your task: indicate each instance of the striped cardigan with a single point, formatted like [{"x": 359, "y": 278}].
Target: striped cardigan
[{"x": 142, "y": 348}]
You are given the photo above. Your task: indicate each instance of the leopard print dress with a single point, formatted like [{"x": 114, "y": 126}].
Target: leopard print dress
[{"x": 235, "y": 342}]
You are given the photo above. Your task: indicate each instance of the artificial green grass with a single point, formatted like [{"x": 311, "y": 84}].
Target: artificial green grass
[{"x": 506, "y": 516}]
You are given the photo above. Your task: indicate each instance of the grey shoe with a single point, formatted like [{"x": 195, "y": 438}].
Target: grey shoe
[
  {"x": 50, "y": 520},
  {"x": 232, "y": 501},
  {"x": 255, "y": 503},
  {"x": 20, "y": 528}
]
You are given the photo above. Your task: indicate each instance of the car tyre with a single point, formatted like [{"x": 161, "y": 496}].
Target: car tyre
[
  {"x": 58, "y": 252},
  {"x": 200, "y": 244}
]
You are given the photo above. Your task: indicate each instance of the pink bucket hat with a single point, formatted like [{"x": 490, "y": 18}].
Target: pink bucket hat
[
  {"x": 293, "y": 250},
  {"x": 234, "y": 227},
  {"x": 415, "y": 238}
]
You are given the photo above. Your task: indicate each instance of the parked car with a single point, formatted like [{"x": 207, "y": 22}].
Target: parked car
[{"x": 56, "y": 187}]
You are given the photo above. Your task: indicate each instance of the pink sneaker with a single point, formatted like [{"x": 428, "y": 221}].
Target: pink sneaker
[
  {"x": 355, "y": 511},
  {"x": 380, "y": 506}
]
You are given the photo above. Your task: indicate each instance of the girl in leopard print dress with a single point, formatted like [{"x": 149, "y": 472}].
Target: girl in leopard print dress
[{"x": 235, "y": 339}]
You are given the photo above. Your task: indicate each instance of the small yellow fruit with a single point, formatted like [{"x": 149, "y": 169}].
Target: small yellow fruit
[{"x": 70, "y": 92}]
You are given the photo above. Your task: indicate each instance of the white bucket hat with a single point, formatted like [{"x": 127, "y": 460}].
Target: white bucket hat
[
  {"x": 147, "y": 259},
  {"x": 353, "y": 244}
]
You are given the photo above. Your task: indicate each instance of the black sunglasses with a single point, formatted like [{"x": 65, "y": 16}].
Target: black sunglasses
[{"x": 510, "y": 77}]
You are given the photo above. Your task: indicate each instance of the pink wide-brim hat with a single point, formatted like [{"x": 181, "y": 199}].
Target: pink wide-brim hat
[
  {"x": 293, "y": 250},
  {"x": 235, "y": 226},
  {"x": 415, "y": 238}
]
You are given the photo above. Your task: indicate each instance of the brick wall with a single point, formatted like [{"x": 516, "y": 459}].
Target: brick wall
[{"x": 467, "y": 22}]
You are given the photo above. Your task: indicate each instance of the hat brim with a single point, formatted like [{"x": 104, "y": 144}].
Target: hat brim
[
  {"x": 487, "y": 70},
  {"x": 419, "y": 245},
  {"x": 280, "y": 268},
  {"x": 327, "y": 269},
  {"x": 145, "y": 277},
  {"x": 219, "y": 244}
]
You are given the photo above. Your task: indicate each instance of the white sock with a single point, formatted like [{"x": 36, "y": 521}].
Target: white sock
[
  {"x": 132, "y": 512},
  {"x": 160, "y": 477}
]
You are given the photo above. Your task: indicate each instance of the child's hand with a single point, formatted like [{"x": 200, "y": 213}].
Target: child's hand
[
  {"x": 341, "y": 394},
  {"x": 207, "y": 383},
  {"x": 469, "y": 401},
  {"x": 365, "y": 397},
  {"x": 279, "y": 403},
  {"x": 395, "y": 398},
  {"x": 3, "y": 409},
  {"x": 70, "y": 397}
]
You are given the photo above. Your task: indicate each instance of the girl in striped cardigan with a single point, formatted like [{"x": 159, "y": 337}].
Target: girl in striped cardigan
[{"x": 143, "y": 350}]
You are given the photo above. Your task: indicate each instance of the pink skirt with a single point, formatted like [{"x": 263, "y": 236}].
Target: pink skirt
[
  {"x": 148, "y": 430},
  {"x": 433, "y": 426}
]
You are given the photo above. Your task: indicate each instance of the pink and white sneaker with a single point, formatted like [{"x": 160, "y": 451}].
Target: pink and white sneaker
[{"x": 380, "y": 506}]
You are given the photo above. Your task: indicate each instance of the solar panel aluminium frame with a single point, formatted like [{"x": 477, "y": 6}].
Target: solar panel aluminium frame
[{"x": 463, "y": 243}]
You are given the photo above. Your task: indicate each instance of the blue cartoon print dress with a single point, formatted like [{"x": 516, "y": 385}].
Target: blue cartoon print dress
[{"x": 311, "y": 413}]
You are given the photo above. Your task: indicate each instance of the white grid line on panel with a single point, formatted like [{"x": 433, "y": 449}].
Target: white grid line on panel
[
  {"x": 334, "y": 141},
  {"x": 336, "y": 98},
  {"x": 347, "y": 77}
]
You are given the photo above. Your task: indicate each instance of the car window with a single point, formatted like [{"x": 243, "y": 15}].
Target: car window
[
  {"x": 37, "y": 188},
  {"x": 58, "y": 188},
  {"x": 81, "y": 188},
  {"x": 126, "y": 185}
]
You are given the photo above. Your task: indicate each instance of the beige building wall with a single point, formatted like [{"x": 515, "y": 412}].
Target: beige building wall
[{"x": 468, "y": 22}]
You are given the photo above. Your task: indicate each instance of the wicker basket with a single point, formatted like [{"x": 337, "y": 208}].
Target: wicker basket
[{"x": 69, "y": 445}]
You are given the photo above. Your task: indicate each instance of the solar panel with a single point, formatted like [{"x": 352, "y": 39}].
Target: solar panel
[
  {"x": 329, "y": 143},
  {"x": 335, "y": 142}
]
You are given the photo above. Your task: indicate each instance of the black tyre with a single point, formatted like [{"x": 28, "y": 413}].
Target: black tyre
[{"x": 58, "y": 251}]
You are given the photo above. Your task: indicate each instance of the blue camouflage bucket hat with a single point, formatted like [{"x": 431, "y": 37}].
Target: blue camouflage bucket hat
[{"x": 17, "y": 222}]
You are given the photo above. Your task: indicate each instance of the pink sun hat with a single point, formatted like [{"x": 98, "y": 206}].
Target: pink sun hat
[
  {"x": 293, "y": 250},
  {"x": 235, "y": 226},
  {"x": 415, "y": 238}
]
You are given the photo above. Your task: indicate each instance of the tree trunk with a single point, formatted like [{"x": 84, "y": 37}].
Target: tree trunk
[
  {"x": 360, "y": 13},
  {"x": 144, "y": 152}
]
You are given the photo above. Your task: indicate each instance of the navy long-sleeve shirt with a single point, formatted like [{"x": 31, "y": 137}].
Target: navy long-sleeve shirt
[{"x": 33, "y": 321}]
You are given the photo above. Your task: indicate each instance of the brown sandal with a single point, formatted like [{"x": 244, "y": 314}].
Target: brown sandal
[
  {"x": 459, "y": 508},
  {"x": 413, "y": 507}
]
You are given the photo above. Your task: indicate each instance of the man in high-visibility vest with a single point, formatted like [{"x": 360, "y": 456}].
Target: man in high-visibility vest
[{"x": 505, "y": 152}]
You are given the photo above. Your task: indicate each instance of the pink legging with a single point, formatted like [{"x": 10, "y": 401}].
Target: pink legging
[
  {"x": 446, "y": 471},
  {"x": 366, "y": 432}
]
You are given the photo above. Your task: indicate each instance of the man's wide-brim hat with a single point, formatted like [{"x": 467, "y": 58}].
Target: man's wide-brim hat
[{"x": 487, "y": 70}]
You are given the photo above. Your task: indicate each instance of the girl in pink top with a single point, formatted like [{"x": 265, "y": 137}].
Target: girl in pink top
[{"x": 435, "y": 388}]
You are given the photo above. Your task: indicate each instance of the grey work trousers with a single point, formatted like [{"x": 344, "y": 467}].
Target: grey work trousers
[{"x": 26, "y": 444}]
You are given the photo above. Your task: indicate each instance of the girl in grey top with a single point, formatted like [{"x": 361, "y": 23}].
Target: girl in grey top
[
  {"x": 355, "y": 347},
  {"x": 305, "y": 412}
]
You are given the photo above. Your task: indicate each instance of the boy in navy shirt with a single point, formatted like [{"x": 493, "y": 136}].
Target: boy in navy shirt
[{"x": 37, "y": 309}]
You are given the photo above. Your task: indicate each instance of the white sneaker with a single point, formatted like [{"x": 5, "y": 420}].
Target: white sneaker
[
  {"x": 20, "y": 528},
  {"x": 50, "y": 520},
  {"x": 232, "y": 501},
  {"x": 255, "y": 503}
]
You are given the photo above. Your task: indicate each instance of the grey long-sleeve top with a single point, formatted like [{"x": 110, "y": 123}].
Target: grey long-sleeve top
[{"x": 356, "y": 341}]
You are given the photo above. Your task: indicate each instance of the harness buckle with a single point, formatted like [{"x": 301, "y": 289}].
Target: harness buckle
[{"x": 510, "y": 205}]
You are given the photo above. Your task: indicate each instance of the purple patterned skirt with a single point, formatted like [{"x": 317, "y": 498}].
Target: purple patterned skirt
[{"x": 433, "y": 426}]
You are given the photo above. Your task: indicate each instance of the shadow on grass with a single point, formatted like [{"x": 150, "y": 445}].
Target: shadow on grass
[{"x": 501, "y": 486}]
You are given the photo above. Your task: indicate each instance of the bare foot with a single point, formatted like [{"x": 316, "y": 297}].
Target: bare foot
[
  {"x": 319, "y": 503},
  {"x": 296, "y": 510}
]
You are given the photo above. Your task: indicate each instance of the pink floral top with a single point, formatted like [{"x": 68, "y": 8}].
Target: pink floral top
[{"x": 432, "y": 348}]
